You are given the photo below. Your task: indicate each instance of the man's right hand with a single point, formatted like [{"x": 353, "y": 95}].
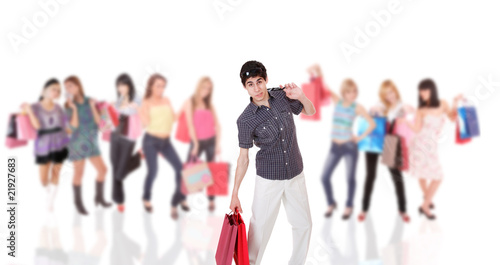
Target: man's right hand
[{"x": 235, "y": 204}]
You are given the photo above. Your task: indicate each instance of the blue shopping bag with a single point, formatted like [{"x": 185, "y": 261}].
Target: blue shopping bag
[
  {"x": 472, "y": 121},
  {"x": 374, "y": 142},
  {"x": 468, "y": 123},
  {"x": 462, "y": 124}
]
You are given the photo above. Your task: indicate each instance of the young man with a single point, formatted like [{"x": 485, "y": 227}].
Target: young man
[{"x": 268, "y": 122}]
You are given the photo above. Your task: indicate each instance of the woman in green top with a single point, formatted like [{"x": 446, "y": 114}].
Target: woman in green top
[{"x": 83, "y": 145}]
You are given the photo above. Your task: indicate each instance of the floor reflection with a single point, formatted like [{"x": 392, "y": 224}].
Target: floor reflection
[
  {"x": 50, "y": 249},
  {"x": 425, "y": 247},
  {"x": 196, "y": 235},
  {"x": 124, "y": 250}
]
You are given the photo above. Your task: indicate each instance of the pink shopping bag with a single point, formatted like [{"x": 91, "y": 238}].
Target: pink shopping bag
[
  {"x": 13, "y": 142},
  {"x": 25, "y": 130},
  {"x": 134, "y": 126}
]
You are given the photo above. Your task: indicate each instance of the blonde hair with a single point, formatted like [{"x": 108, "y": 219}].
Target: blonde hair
[
  {"x": 347, "y": 86},
  {"x": 387, "y": 85},
  {"x": 208, "y": 99}
]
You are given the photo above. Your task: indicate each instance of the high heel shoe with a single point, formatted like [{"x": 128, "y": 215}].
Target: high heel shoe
[
  {"x": 361, "y": 217},
  {"x": 429, "y": 216},
  {"x": 347, "y": 216},
  {"x": 148, "y": 208},
  {"x": 185, "y": 208},
  {"x": 329, "y": 212},
  {"x": 405, "y": 217}
]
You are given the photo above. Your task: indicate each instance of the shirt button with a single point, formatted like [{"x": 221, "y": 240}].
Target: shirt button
[
  {"x": 281, "y": 129},
  {"x": 267, "y": 108},
  {"x": 285, "y": 151},
  {"x": 286, "y": 163},
  {"x": 282, "y": 140},
  {"x": 264, "y": 127},
  {"x": 288, "y": 113},
  {"x": 276, "y": 117}
]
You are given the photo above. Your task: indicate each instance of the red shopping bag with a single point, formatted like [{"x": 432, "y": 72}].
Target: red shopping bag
[
  {"x": 241, "y": 247},
  {"x": 220, "y": 175},
  {"x": 460, "y": 140},
  {"x": 319, "y": 95},
  {"x": 182, "y": 133},
  {"x": 227, "y": 241}
]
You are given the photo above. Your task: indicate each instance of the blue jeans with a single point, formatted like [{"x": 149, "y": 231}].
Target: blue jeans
[
  {"x": 151, "y": 146},
  {"x": 349, "y": 150}
]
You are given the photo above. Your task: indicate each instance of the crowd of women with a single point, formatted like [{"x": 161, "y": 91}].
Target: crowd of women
[{"x": 71, "y": 132}]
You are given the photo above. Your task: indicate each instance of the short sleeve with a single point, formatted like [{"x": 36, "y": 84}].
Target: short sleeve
[
  {"x": 296, "y": 105},
  {"x": 245, "y": 137}
]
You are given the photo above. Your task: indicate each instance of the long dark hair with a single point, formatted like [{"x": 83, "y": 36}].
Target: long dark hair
[
  {"x": 125, "y": 79},
  {"x": 428, "y": 84},
  {"x": 49, "y": 82},
  {"x": 151, "y": 82}
]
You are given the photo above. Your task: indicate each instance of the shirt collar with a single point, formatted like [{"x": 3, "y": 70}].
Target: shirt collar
[{"x": 254, "y": 106}]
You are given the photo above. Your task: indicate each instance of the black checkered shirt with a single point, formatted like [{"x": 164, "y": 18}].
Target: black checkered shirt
[{"x": 273, "y": 130}]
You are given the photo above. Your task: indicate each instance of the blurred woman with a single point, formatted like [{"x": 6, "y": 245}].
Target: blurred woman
[
  {"x": 344, "y": 142},
  {"x": 158, "y": 117},
  {"x": 52, "y": 139},
  {"x": 203, "y": 125},
  {"x": 393, "y": 109},
  {"x": 83, "y": 143},
  {"x": 122, "y": 160},
  {"x": 424, "y": 158}
]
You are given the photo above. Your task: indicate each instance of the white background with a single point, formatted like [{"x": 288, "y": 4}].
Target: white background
[{"x": 455, "y": 43}]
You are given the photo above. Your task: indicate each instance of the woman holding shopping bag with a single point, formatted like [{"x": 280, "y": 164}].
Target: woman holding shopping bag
[
  {"x": 424, "y": 158},
  {"x": 344, "y": 143},
  {"x": 83, "y": 144},
  {"x": 123, "y": 160},
  {"x": 393, "y": 109},
  {"x": 158, "y": 117},
  {"x": 48, "y": 118},
  {"x": 203, "y": 125}
]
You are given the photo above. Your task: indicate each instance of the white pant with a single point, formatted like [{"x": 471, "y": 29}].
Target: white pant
[{"x": 266, "y": 204}]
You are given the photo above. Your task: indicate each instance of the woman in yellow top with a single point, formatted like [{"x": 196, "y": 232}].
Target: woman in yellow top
[{"x": 158, "y": 117}]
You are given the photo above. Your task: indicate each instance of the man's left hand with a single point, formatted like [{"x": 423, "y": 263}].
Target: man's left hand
[{"x": 293, "y": 91}]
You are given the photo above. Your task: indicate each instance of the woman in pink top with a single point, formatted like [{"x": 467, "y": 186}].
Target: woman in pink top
[{"x": 203, "y": 125}]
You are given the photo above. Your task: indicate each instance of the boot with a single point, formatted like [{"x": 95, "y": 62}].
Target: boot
[
  {"x": 99, "y": 194},
  {"x": 77, "y": 191}
]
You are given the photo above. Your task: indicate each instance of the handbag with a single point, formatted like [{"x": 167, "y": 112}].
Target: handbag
[
  {"x": 182, "y": 133},
  {"x": 227, "y": 241},
  {"x": 392, "y": 153},
  {"x": 374, "y": 142},
  {"x": 25, "y": 130},
  {"x": 220, "y": 175},
  {"x": 196, "y": 176}
]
